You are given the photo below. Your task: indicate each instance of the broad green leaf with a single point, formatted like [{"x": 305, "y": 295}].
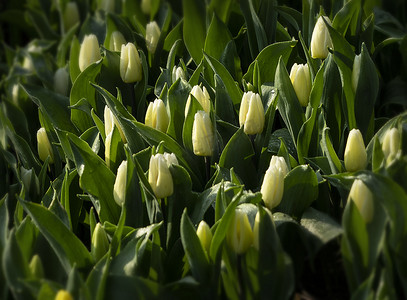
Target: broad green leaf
[
  {"x": 221, "y": 8},
  {"x": 194, "y": 25},
  {"x": 217, "y": 38},
  {"x": 329, "y": 151},
  {"x": 67, "y": 246},
  {"x": 344, "y": 17},
  {"x": 74, "y": 70},
  {"x": 195, "y": 253},
  {"x": 303, "y": 181},
  {"x": 127, "y": 287},
  {"x": 268, "y": 16},
  {"x": 223, "y": 103}
]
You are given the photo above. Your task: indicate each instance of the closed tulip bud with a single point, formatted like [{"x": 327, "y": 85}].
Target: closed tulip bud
[
  {"x": 321, "y": 40},
  {"x": 205, "y": 235},
  {"x": 391, "y": 144},
  {"x": 130, "y": 64},
  {"x": 272, "y": 188},
  {"x": 116, "y": 41},
  {"x": 171, "y": 159},
  {"x": 356, "y": 71},
  {"x": 301, "y": 81},
  {"x": 119, "y": 188},
  {"x": 256, "y": 231},
  {"x": 202, "y": 95},
  {"x": 363, "y": 199},
  {"x": 44, "y": 146},
  {"x": 110, "y": 122},
  {"x": 178, "y": 72},
  {"x": 36, "y": 267},
  {"x": 355, "y": 152},
  {"x": 251, "y": 113},
  {"x": 108, "y": 144},
  {"x": 279, "y": 162},
  {"x": 152, "y": 36},
  {"x": 159, "y": 176},
  {"x": 99, "y": 243},
  {"x": 15, "y": 94},
  {"x": 202, "y": 134},
  {"x": 89, "y": 52},
  {"x": 157, "y": 116},
  {"x": 63, "y": 295},
  {"x": 146, "y": 6},
  {"x": 240, "y": 234},
  {"x": 71, "y": 15},
  {"x": 61, "y": 81}
]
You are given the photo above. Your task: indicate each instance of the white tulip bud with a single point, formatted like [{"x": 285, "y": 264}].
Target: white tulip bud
[
  {"x": 363, "y": 199},
  {"x": 61, "y": 81},
  {"x": 205, "y": 235},
  {"x": 177, "y": 72},
  {"x": 108, "y": 144},
  {"x": 321, "y": 40},
  {"x": 159, "y": 176},
  {"x": 130, "y": 64},
  {"x": 70, "y": 15},
  {"x": 251, "y": 113},
  {"x": 110, "y": 122},
  {"x": 356, "y": 71},
  {"x": 240, "y": 233},
  {"x": 120, "y": 184},
  {"x": 146, "y": 6},
  {"x": 99, "y": 243},
  {"x": 202, "y": 134},
  {"x": 355, "y": 152},
  {"x": 272, "y": 188},
  {"x": 152, "y": 36},
  {"x": 157, "y": 116},
  {"x": 89, "y": 52},
  {"x": 171, "y": 159},
  {"x": 301, "y": 81},
  {"x": 391, "y": 144},
  {"x": 116, "y": 41},
  {"x": 44, "y": 146},
  {"x": 202, "y": 95}
]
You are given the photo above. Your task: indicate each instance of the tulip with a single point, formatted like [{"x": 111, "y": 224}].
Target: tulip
[
  {"x": 120, "y": 184},
  {"x": 130, "y": 64},
  {"x": 63, "y": 295},
  {"x": 108, "y": 144},
  {"x": 152, "y": 36},
  {"x": 205, "y": 235},
  {"x": 28, "y": 63},
  {"x": 321, "y": 40},
  {"x": 116, "y": 41},
  {"x": 110, "y": 122},
  {"x": 157, "y": 116},
  {"x": 44, "y": 146},
  {"x": 240, "y": 234},
  {"x": 89, "y": 52},
  {"x": 391, "y": 144},
  {"x": 272, "y": 188},
  {"x": 301, "y": 81},
  {"x": 170, "y": 158},
  {"x": 15, "y": 93},
  {"x": 61, "y": 81},
  {"x": 356, "y": 71},
  {"x": 202, "y": 95},
  {"x": 279, "y": 162},
  {"x": 99, "y": 243},
  {"x": 146, "y": 6},
  {"x": 36, "y": 267},
  {"x": 355, "y": 152},
  {"x": 202, "y": 134},
  {"x": 159, "y": 176},
  {"x": 71, "y": 15},
  {"x": 107, "y": 5},
  {"x": 251, "y": 113},
  {"x": 363, "y": 199},
  {"x": 178, "y": 72}
]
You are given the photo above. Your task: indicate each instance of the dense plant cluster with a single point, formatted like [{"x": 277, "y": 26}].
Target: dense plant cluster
[{"x": 210, "y": 149}]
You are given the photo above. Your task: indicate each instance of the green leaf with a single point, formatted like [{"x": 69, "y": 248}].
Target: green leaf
[
  {"x": 223, "y": 103},
  {"x": 65, "y": 243},
  {"x": 329, "y": 151},
  {"x": 189, "y": 122},
  {"x": 238, "y": 154},
  {"x": 197, "y": 258},
  {"x": 194, "y": 27},
  {"x": 268, "y": 60},
  {"x": 221, "y": 8},
  {"x": 303, "y": 181},
  {"x": 217, "y": 38},
  {"x": 288, "y": 104},
  {"x": 74, "y": 70}
]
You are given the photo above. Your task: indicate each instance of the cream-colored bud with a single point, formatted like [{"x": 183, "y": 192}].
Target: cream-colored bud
[
  {"x": 120, "y": 184},
  {"x": 202, "y": 95},
  {"x": 110, "y": 122},
  {"x": 280, "y": 163},
  {"x": 301, "y": 81},
  {"x": 171, "y": 159},
  {"x": 89, "y": 52},
  {"x": 130, "y": 64},
  {"x": 44, "y": 146},
  {"x": 15, "y": 93},
  {"x": 202, "y": 134},
  {"x": 363, "y": 199},
  {"x": 152, "y": 36},
  {"x": 116, "y": 41},
  {"x": 240, "y": 234},
  {"x": 356, "y": 71},
  {"x": 99, "y": 243},
  {"x": 157, "y": 116},
  {"x": 272, "y": 188},
  {"x": 251, "y": 113},
  {"x": 61, "y": 81},
  {"x": 178, "y": 72},
  {"x": 355, "y": 152},
  {"x": 391, "y": 144},
  {"x": 63, "y": 295},
  {"x": 146, "y": 6},
  {"x": 159, "y": 176},
  {"x": 70, "y": 15},
  {"x": 36, "y": 267},
  {"x": 205, "y": 235},
  {"x": 321, "y": 39},
  {"x": 256, "y": 231},
  {"x": 108, "y": 145}
]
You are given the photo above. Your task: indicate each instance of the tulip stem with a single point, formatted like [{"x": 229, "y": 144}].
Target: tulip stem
[
  {"x": 133, "y": 100},
  {"x": 207, "y": 167},
  {"x": 163, "y": 202},
  {"x": 242, "y": 288}
]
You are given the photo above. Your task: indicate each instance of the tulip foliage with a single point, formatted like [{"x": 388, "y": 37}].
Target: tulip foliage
[{"x": 217, "y": 149}]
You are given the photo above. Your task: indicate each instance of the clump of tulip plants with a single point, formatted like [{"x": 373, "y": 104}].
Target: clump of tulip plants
[{"x": 211, "y": 149}]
